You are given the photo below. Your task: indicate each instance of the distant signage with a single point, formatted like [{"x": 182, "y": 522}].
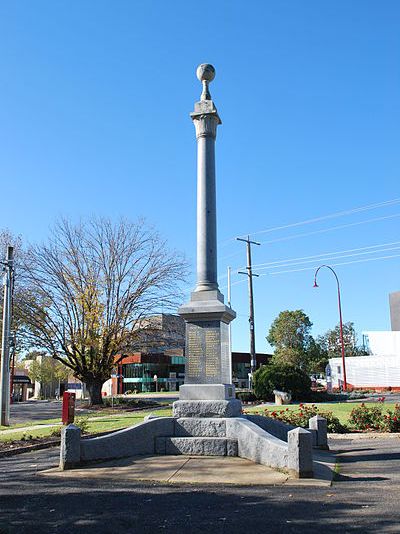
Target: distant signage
[
  {"x": 74, "y": 385},
  {"x": 21, "y": 379}
]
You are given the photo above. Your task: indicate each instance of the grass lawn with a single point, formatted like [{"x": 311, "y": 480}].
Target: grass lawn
[
  {"x": 115, "y": 420},
  {"x": 97, "y": 422},
  {"x": 31, "y": 423},
  {"x": 53, "y": 421},
  {"x": 340, "y": 409}
]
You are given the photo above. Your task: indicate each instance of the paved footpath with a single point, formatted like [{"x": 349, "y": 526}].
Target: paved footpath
[{"x": 364, "y": 498}]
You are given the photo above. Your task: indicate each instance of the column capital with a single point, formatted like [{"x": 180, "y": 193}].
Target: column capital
[{"x": 205, "y": 119}]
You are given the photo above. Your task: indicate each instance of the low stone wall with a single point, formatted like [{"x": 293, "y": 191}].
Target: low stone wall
[
  {"x": 135, "y": 440},
  {"x": 273, "y": 426},
  {"x": 228, "y": 436},
  {"x": 132, "y": 441},
  {"x": 317, "y": 427},
  {"x": 257, "y": 445}
]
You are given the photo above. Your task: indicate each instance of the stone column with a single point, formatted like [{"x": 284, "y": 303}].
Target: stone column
[
  {"x": 206, "y": 119},
  {"x": 207, "y": 372}
]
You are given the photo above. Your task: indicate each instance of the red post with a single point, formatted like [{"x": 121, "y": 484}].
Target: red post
[
  {"x": 68, "y": 408},
  {"x": 342, "y": 340}
]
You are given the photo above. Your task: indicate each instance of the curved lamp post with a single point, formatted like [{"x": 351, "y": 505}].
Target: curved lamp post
[{"x": 340, "y": 318}]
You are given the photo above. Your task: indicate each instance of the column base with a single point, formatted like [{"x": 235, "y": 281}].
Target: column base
[
  {"x": 207, "y": 392},
  {"x": 207, "y": 408}
]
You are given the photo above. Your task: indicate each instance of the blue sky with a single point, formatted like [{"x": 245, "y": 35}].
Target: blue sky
[{"x": 94, "y": 112}]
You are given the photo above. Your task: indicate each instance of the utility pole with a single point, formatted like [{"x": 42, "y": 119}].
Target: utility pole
[
  {"x": 249, "y": 273},
  {"x": 5, "y": 340},
  {"x": 230, "y": 324}
]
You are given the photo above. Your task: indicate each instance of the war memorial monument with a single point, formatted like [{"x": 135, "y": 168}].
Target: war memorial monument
[{"x": 207, "y": 419}]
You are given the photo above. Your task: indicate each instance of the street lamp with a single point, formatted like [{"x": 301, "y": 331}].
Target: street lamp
[{"x": 340, "y": 319}]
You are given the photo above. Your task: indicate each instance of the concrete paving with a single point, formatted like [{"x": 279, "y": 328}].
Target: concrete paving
[
  {"x": 194, "y": 470},
  {"x": 197, "y": 470}
]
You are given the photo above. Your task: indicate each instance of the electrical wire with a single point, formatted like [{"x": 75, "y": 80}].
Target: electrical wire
[
  {"x": 326, "y": 257},
  {"x": 324, "y": 230},
  {"x": 333, "y": 265},
  {"x": 329, "y": 216},
  {"x": 330, "y": 253}
]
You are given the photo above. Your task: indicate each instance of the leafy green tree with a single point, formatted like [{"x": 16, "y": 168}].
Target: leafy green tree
[
  {"x": 317, "y": 357},
  {"x": 46, "y": 370},
  {"x": 41, "y": 370},
  {"x": 331, "y": 344},
  {"x": 290, "y": 336}
]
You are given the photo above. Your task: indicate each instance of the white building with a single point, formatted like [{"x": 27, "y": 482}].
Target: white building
[{"x": 379, "y": 370}]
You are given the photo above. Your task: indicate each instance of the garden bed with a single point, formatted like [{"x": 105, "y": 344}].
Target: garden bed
[
  {"x": 9, "y": 448},
  {"x": 342, "y": 418}
]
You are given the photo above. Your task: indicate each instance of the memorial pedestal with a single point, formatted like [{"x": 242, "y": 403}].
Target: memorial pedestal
[{"x": 208, "y": 391}]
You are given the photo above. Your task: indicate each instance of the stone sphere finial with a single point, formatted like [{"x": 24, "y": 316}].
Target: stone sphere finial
[{"x": 205, "y": 73}]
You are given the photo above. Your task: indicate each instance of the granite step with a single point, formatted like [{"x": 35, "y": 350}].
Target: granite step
[
  {"x": 203, "y": 427},
  {"x": 196, "y": 446}
]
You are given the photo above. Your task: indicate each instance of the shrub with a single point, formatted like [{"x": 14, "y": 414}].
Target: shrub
[
  {"x": 366, "y": 417},
  {"x": 303, "y": 414},
  {"x": 391, "y": 420},
  {"x": 55, "y": 432},
  {"x": 373, "y": 417},
  {"x": 283, "y": 377},
  {"x": 83, "y": 424}
]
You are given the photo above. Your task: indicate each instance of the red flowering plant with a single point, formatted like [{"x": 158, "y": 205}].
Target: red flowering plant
[
  {"x": 365, "y": 417},
  {"x": 301, "y": 417},
  {"x": 391, "y": 420},
  {"x": 375, "y": 418}
]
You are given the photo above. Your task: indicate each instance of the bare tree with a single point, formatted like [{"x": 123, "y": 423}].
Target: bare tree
[{"x": 88, "y": 289}]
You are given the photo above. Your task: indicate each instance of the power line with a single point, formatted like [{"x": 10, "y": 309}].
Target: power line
[
  {"x": 287, "y": 262},
  {"x": 287, "y": 271},
  {"x": 330, "y": 216},
  {"x": 330, "y": 253},
  {"x": 333, "y": 264},
  {"x": 327, "y": 257},
  {"x": 324, "y": 230},
  {"x": 386, "y": 203}
]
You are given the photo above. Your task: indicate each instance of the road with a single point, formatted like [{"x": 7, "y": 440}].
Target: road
[
  {"x": 21, "y": 412},
  {"x": 364, "y": 499}
]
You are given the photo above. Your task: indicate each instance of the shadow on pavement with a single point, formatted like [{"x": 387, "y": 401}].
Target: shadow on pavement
[
  {"x": 30, "y": 502},
  {"x": 369, "y": 457},
  {"x": 345, "y": 478},
  {"x": 93, "y": 509}
]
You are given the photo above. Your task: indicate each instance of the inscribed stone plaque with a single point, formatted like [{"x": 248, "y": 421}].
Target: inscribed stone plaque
[{"x": 207, "y": 352}]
